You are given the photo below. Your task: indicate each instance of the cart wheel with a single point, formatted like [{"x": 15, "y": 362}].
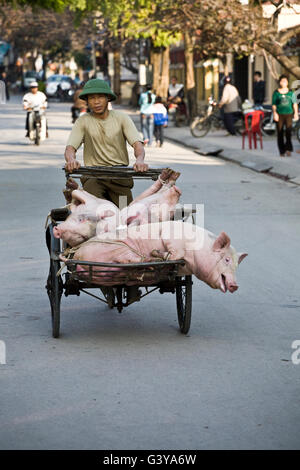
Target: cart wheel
[
  {"x": 55, "y": 297},
  {"x": 184, "y": 304},
  {"x": 119, "y": 304},
  {"x": 54, "y": 287},
  {"x": 109, "y": 296}
]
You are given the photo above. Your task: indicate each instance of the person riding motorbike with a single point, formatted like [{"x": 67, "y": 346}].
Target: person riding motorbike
[
  {"x": 79, "y": 106},
  {"x": 31, "y": 100},
  {"x": 176, "y": 98}
]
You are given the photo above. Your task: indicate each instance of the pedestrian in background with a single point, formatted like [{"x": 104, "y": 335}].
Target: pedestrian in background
[
  {"x": 146, "y": 102},
  {"x": 231, "y": 102},
  {"x": 160, "y": 121},
  {"x": 259, "y": 89},
  {"x": 79, "y": 105},
  {"x": 285, "y": 108},
  {"x": 4, "y": 79}
]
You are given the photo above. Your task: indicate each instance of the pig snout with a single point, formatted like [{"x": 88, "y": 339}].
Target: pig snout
[
  {"x": 232, "y": 287},
  {"x": 227, "y": 284},
  {"x": 56, "y": 232}
]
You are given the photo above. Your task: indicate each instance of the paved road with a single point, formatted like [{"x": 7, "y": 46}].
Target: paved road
[{"x": 132, "y": 381}]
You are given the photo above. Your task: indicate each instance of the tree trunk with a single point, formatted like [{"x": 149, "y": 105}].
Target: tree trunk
[
  {"x": 164, "y": 78},
  {"x": 155, "y": 57},
  {"x": 277, "y": 51},
  {"x": 191, "y": 91},
  {"x": 117, "y": 75}
]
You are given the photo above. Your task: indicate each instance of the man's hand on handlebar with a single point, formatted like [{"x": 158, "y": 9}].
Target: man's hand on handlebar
[
  {"x": 72, "y": 164},
  {"x": 70, "y": 157},
  {"x": 140, "y": 165}
]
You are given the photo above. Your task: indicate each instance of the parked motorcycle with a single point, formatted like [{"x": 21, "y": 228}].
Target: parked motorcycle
[
  {"x": 37, "y": 125},
  {"x": 268, "y": 125},
  {"x": 212, "y": 119}
]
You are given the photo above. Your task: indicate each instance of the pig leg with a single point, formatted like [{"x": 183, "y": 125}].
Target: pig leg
[
  {"x": 163, "y": 255},
  {"x": 173, "y": 177},
  {"x": 174, "y": 252},
  {"x": 68, "y": 195},
  {"x": 70, "y": 186},
  {"x": 164, "y": 177}
]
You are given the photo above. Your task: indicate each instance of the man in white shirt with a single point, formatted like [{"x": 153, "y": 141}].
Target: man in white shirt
[
  {"x": 231, "y": 102},
  {"x": 175, "y": 91},
  {"x": 33, "y": 99}
]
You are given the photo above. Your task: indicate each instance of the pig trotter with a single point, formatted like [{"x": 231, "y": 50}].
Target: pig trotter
[
  {"x": 168, "y": 176},
  {"x": 68, "y": 195},
  {"x": 164, "y": 256},
  {"x": 71, "y": 184}
]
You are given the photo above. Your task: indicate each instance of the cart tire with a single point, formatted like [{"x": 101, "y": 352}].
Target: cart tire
[
  {"x": 184, "y": 304},
  {"x": 54, "y": 284},
  {"x": 110, "y": 297},
  {"x": 55, "y": 297}
]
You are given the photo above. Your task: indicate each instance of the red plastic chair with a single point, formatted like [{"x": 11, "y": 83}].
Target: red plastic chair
[{"x": 253, "y": 128}]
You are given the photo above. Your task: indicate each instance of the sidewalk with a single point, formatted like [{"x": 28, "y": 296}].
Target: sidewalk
[{"x": 227, "y": 147}]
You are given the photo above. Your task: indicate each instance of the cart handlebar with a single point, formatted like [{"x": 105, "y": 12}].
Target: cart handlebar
[{"x": 113, "y": 172}]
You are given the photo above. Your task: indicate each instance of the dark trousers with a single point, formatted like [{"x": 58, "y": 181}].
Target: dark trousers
[
  {"x": 109, "y": 189},
  {"x": 27, "y": 122},
  {"x": 229, "y": 120},
  {"x": 159, "y": 133},
  {"x": 284, "y": 133}
]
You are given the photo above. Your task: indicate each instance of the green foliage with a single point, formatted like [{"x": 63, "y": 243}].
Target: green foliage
[
  {"x": 55, "y": 5},
  {"x": 126, "y": 19},
  {"x": 83, "y": 60}
]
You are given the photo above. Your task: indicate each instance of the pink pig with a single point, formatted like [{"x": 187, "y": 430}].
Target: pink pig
[
  {"x": 88, "y": 213},
  {"x": 156, "y": 204},
  {"x": 211, "y": 259},
  {"x": 91, "y": 215}
]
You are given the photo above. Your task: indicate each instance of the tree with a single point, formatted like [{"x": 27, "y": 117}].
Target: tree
[
  {"x": 223, "y": 26},
  {"x": 54, "y": 5},
  {"x": 51, "y": 33}
]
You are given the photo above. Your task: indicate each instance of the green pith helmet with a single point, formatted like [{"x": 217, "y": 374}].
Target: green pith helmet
[{"x": 97, "y": 86}]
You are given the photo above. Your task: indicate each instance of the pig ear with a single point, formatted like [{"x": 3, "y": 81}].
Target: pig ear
[
  {"x": 130, "y": 219},
  {"x": 241, "y": 256},
  {"x": 104, "y": 214},
  {"x": 222, "y": 242}
]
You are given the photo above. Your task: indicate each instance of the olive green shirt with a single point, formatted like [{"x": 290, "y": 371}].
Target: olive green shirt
[{"x": 104, "y": 139}]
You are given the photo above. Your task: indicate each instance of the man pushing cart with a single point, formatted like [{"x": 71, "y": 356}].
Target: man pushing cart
[{"x": 104, "y": 134}]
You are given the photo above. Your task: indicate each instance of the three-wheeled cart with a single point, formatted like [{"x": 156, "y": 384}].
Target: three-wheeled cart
[{"x": 159, "y": 275}]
